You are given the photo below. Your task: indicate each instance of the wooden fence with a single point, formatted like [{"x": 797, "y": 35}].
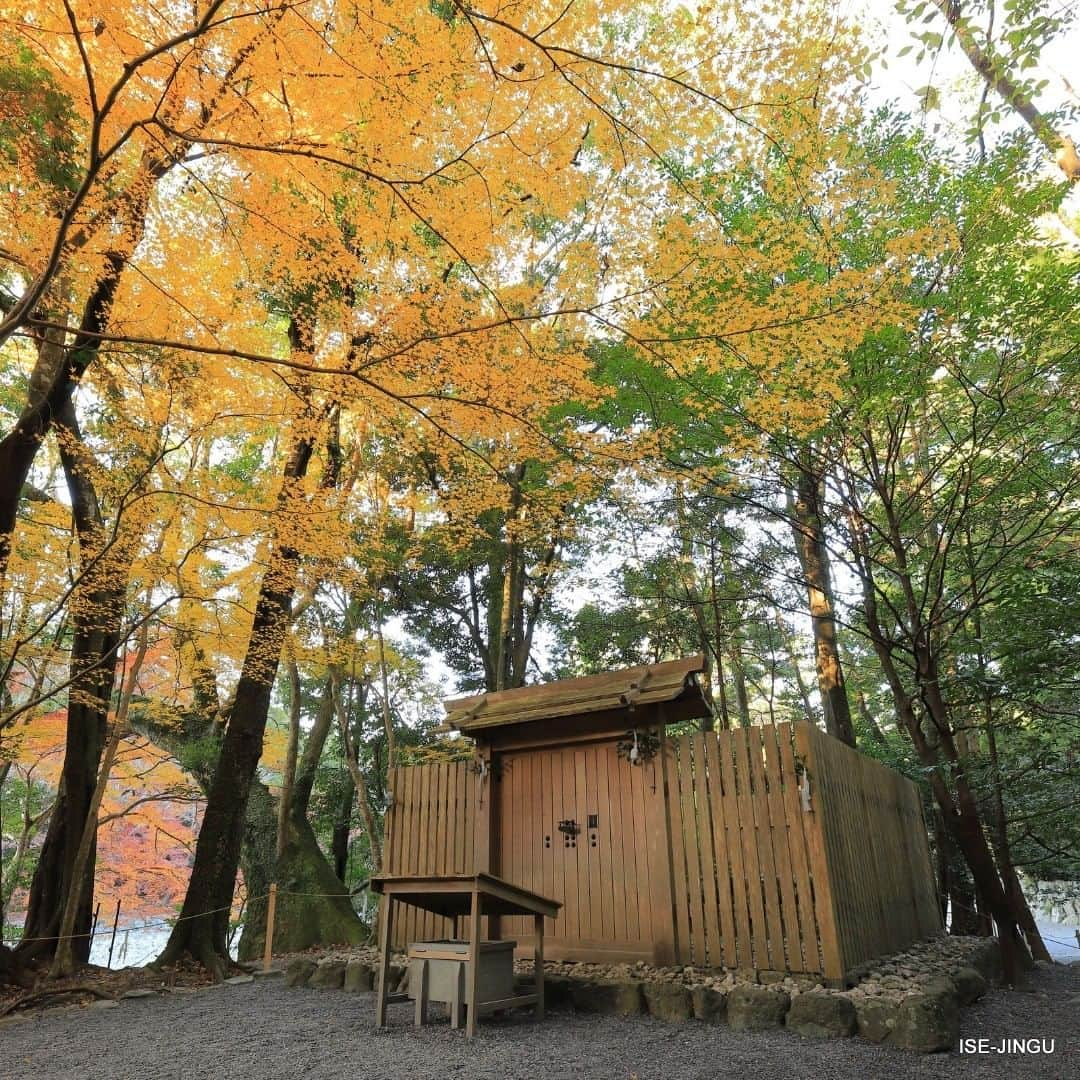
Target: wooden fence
[
  {"x": 746, "y": 877},
  {"x": 786, "y": 850},
  {"x": 881, "y": 878},
  {"x": 430, "y": 829}
]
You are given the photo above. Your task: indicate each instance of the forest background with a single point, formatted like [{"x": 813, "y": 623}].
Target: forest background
[{"x": 352, "y": 356}]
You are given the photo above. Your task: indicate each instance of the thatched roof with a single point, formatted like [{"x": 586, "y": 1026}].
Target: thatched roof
[{"x": 629, "y": 690}]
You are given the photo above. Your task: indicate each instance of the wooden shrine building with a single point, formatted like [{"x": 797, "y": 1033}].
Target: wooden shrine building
[{"x": 773, "y": 847}]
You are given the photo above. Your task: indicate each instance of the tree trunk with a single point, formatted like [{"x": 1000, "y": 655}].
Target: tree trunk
[
  {"x": 738, "y": 676},
  {"x": 958, "y": 806},
  {"x": 313, "y": 906},
  {"x": 993, "y": 72},
  {"x": 202, "y": 928},
  {"x": 19, "y": 446},
  {"x": 288, "y": 776},
  {"x": 96, "y": 612},
  {"x": 809, "y": 532},
  {"x": 868, "y": 719},
  {"x": 64, "y": 959},
  {"x": 339, "y": 842}
]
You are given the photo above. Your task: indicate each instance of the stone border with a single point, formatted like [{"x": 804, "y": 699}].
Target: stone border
[{"x": 911, "y": 1001}]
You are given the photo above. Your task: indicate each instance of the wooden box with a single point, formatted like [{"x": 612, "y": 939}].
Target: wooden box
[{"x": 447, "y": 959}]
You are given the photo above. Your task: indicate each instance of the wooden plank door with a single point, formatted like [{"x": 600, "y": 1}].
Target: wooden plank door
[{"x": 601, "y": 873}]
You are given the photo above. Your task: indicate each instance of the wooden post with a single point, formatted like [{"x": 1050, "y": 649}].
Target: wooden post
[
  {"x": 422, "y": 995},
  {"x": 112, "y": 940},
  {"x": 813, "y": 829},
  {"x": 538, "y": 964},
  {"x": 271, "y": 911},
  {"x": 474, "y": 963},
  {"x": 386, "y": 918},
  {"x": 485, "y": 840},
  {"x": 457, "y": 998},
  {"x": 93, "y": 927},
  {"x": 659, "y": 844}
]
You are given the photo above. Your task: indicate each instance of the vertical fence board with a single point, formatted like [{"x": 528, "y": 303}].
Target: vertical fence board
[
  {"x": 751, "y": 865},
  {"x": 707, "y": 842},
  {"x": 778, "y": 831},
  {"x": 680, "y": 881},
  {"x": 643, "y": 917},
  {"x": 799, "y": 855},
  {"x": 688, "y": 787},
  {"x": 774, "y": 927},
  {"x": 721, "y": 863},
  {"x": 744, "y": 955}
]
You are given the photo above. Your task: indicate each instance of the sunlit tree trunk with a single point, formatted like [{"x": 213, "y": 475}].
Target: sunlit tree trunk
[
  {"x": 992, "y": 70},
  {"x": 809, "y": 532}
]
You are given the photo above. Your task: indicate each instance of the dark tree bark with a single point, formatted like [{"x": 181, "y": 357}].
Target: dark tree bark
[
  {"x": 201, "y": 930},
  {"x": 339, "y": 843},
  {"x": 203, "y": 925},
  {"x": 96, "y": 612},
  {"x": 809, "y": 532},
  {"x": 936, "y": 746},
  {"x": 56, "y": 374}
]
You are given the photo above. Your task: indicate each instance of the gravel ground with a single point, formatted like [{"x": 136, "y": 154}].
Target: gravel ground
[{"x": 265, "y": 1030}]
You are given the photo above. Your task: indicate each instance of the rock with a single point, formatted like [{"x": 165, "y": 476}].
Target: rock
[
  {"x": 668, "y": 1001},
  {"x": 940, "y": 985},
  {"x": 397, "y": 978},
  {"x": 103, "y": 1003},
  {"x": 986, "y": 959},
  {"x": 822, "y": 1016},
  {"x": 359, "y": 978},
  {"x": 618, "y": 998},
  {"x": 328, "y": 974},
  {"x": 876, "y": 1018},
  {"x": 710, "y": 1005},
  {"x": 299, "y": 971},
  {"x": 770, "y": 978},
  {"x": 927, "y": 1023},
  {"x": 239, "y": 980},
  {"x": 756, "y": 1008},
  {"x": 970, "y": 984},
  {"x": 139, "y": 993},
  {"x": 558, "y": 991},
  {"x": 272, "y": 973}
]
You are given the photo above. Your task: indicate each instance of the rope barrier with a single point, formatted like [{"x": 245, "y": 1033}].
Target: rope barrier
[
  {"x": 148, "y": 924},
  {"x": 151, "y": 923},
  {"x": 972, "y": 911}
]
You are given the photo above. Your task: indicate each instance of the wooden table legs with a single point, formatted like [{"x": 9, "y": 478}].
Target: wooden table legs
[
  {"x": 421, "y": 993},
  {"x": 538, "y": 965},
  {"x": 457, "y": 998},
  {"x": 474, "y": 964},
  {"x": 386, "y": 917}
]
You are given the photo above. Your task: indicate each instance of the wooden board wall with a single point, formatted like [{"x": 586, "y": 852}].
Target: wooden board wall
[
  {"x": 759, "y": 871},
  {"x": 747, "y": 885},
  {"x": 430, "y": 829},
  {"x": 604, "y": 875},
  {"x": 876, "y": 850}
]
